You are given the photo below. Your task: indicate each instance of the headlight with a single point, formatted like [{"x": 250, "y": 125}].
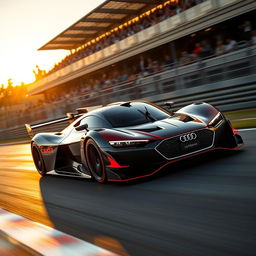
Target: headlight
[
  {"x": 127, "y": 143},
  {"x": 217, "y": 120}
]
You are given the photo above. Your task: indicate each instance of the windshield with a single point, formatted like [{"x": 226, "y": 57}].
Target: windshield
[{"x": 133, "y": 114}]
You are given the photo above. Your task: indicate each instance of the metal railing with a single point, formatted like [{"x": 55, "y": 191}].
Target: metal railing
[{"x": 227, "y": 81}]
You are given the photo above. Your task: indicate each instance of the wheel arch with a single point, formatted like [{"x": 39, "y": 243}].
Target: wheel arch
[
  {"x": 201, "y": 110},
  {"x": 100, "y": 142},
  {"x": 87, "y": 160},
  {"x": 90, "y": 135},
  {"x": 47, "y": 139},
  {"x": 38, "y": 157},
  {"x": 49, "y": 159}
]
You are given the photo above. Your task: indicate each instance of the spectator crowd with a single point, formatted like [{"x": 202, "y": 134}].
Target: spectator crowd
[
  {"x": 143, "y": 67},
  {"x": 146, "y": 66},
  {"x": 144, "y": 21}
]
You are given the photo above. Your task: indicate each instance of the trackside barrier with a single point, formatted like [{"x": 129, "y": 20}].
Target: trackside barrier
[
  {"x": 232, "y": 95},
  {"x": 228, "y": 82},
  {"x": 10, "y": 246},
  {"x": 43, "y": 240},
  {"x": 20, "y": 131}
]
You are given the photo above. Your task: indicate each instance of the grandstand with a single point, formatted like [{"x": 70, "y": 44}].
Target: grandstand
[{"x": 124, "y": 50}]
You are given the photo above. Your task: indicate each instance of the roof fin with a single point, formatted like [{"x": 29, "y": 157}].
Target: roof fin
[{"x": 126, "y": 104}]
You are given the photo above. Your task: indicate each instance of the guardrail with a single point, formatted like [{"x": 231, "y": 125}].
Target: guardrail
[{"x": 228, "y": 82}]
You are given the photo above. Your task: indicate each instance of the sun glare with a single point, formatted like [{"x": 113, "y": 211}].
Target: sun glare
[
  {"x": 22, "y": 33},
  {"x": 22, "y": 68}
]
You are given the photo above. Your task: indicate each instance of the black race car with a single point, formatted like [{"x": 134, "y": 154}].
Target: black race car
[{"x": 129, "y": 140}]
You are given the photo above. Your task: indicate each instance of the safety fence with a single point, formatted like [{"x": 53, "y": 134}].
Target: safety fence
[{"x": 228, "y": 82}]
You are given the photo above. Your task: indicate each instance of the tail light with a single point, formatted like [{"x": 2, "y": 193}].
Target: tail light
[{"x": 46, "y": 149}]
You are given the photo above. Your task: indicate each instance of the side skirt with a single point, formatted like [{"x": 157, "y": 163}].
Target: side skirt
[
  {"x": 84, "y": 176},
  {"x": 77, "y": 170}
]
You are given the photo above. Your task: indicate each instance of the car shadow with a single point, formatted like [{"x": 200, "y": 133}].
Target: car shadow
[
  {"x": 185, "y": 166},
  {"x": 91, "y": 211}
]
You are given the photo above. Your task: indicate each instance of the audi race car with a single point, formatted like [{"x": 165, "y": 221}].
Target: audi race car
[{"x": 129, "y": 140}]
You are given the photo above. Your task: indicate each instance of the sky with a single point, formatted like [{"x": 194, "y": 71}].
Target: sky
[{"x": 26, "y": 25}]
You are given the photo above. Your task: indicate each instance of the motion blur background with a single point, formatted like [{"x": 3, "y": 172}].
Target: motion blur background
[{"x": 156, "y": 50}]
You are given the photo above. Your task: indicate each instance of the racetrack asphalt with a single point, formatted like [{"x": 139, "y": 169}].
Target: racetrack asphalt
[{"x": 205, "y": 206}]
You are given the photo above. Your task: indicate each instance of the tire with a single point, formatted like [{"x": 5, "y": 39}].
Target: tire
[
  {"x": 95, "y": 161},
  {"x": 38, "y": 159}
]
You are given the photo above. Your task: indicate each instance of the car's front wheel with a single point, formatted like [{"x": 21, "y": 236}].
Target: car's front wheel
[
  {"x": 38, "y": 159},
  {"x": 95, "y": 161}
]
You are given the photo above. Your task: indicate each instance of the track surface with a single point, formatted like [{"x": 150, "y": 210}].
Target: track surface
[{"x": 201, "y": 207}]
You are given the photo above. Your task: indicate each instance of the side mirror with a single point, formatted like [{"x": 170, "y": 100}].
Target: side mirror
[
  {"x": 82, "y": 127},
  {"x": 169, "y": 104},
  {"x": 70, "y": 115},
  {"x": 82, "y": 110}
]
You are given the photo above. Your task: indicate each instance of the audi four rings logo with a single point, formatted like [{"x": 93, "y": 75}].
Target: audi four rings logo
[{"x": 188, "y": 137}]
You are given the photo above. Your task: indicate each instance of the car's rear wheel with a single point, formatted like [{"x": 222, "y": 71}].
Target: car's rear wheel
[
  {"x": 38, "y": 159},
  {"x": 95, "y": 161}
]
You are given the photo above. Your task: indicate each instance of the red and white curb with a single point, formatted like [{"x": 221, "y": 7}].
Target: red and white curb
[{"x": 46, "y": 240}]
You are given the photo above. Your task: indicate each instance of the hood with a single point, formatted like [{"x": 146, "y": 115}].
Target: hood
[{"x": 157, "y": 130}]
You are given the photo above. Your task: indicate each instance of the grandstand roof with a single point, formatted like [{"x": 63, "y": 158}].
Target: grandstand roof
[{"x": 103, "y": 18}]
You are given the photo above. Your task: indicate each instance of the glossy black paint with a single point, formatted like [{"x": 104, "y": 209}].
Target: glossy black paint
[{"x": 149, "y": 123}]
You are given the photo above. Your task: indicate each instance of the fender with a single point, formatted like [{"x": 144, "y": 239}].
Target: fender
[
  {"x": 99, "y": 140},
  {"x": 44, "y": 140},
  {"x": 203, "y": 111},
  {"x": 48, "y": 138}
]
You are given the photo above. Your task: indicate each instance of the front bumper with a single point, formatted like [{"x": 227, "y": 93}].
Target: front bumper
[{"x": 146, "y": 161}]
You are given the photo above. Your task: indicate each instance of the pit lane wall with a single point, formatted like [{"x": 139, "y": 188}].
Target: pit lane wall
[{"x": 230, "y": 95}]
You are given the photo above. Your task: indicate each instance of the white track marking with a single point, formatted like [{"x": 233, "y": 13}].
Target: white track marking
[
  {"x": 247, "y": 129},
  {"x": 46, "y": 240}
]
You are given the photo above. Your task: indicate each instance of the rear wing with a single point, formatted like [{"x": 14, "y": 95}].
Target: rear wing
[{"x": 69, "y": 117}]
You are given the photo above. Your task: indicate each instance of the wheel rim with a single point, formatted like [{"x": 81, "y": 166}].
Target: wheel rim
[
  {"x": 37, "y": 160},
  {"x": 95, "y": 162}
]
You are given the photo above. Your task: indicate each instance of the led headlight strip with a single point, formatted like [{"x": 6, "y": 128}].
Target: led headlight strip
[{"x": 127, "y": 143}]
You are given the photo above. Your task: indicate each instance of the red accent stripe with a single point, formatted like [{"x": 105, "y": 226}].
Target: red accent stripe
[
  {"x": 176, "y": 160},
  {"x": 115, "y": 164},
  {"x": 113, "y": 136},
  {"x": 149, "y": 134},
  {"x": 235, "y": 131}
]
